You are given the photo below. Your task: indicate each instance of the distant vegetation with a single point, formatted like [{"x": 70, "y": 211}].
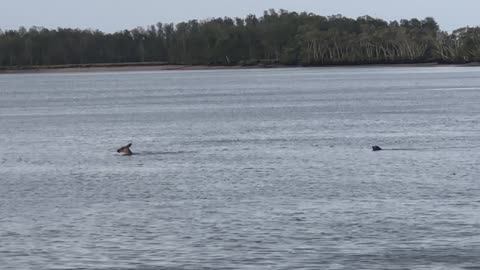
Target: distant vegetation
[{"x": 278, "y": 37}]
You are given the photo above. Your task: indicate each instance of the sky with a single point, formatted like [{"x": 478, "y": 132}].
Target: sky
[{"x": 115, "y": 15}]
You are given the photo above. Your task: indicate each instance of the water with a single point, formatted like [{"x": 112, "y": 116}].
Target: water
[{"x": 241, "y": 169}]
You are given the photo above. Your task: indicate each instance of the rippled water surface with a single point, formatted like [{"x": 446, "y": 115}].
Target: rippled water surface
[{"x": 241, "y": 169}]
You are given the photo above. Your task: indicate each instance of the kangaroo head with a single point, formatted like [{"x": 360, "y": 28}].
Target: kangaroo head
[{"x": 125, "y": 149}]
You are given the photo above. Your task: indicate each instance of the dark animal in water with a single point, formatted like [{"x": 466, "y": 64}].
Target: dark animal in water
[
  {"x": 125, "y": 150},
  {"x": 376, "y": 148}
]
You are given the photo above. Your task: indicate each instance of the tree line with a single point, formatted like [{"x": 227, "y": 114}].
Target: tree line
[{"x": 277, "y": 37}]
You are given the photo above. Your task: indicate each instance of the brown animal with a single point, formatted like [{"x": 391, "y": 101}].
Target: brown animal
[{"x": 125, "y": 150}]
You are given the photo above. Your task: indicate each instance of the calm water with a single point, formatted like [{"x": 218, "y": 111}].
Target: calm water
[{"x": 241, "y": 169}]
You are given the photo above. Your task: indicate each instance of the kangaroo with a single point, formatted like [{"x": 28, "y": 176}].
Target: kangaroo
[{"x": 125, "y": 150}]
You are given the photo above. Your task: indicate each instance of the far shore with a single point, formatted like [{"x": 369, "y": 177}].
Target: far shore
[
  {"x": 167, "y": 67},
  {"x": 109, "y": 68}
]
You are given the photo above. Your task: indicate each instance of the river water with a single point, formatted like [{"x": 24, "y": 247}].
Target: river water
[{"x": 241, "y": 169}]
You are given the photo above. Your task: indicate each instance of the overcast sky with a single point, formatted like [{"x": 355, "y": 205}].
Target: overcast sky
[{"x": 114, "y": 15}]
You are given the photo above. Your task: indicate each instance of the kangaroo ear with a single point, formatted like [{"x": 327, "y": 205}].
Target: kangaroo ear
[{"x": 129, "y": 145}]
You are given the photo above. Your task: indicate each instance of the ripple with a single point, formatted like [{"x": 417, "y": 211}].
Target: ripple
[{"x": 241, "y": 170}]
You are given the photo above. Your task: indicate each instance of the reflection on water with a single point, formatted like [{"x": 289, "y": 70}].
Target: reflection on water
[{"x": 244, "y": 169}]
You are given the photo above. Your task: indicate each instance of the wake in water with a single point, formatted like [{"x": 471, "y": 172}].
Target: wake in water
[
  {"x": 125, "y": 151},
  {"x": 154, "y": 153},
  {"x": 376, "y": 148}
]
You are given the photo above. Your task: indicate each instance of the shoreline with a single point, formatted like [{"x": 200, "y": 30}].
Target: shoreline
[
  {"x": 125, "y": 67},
  {"x": 109, "y": 68}
]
